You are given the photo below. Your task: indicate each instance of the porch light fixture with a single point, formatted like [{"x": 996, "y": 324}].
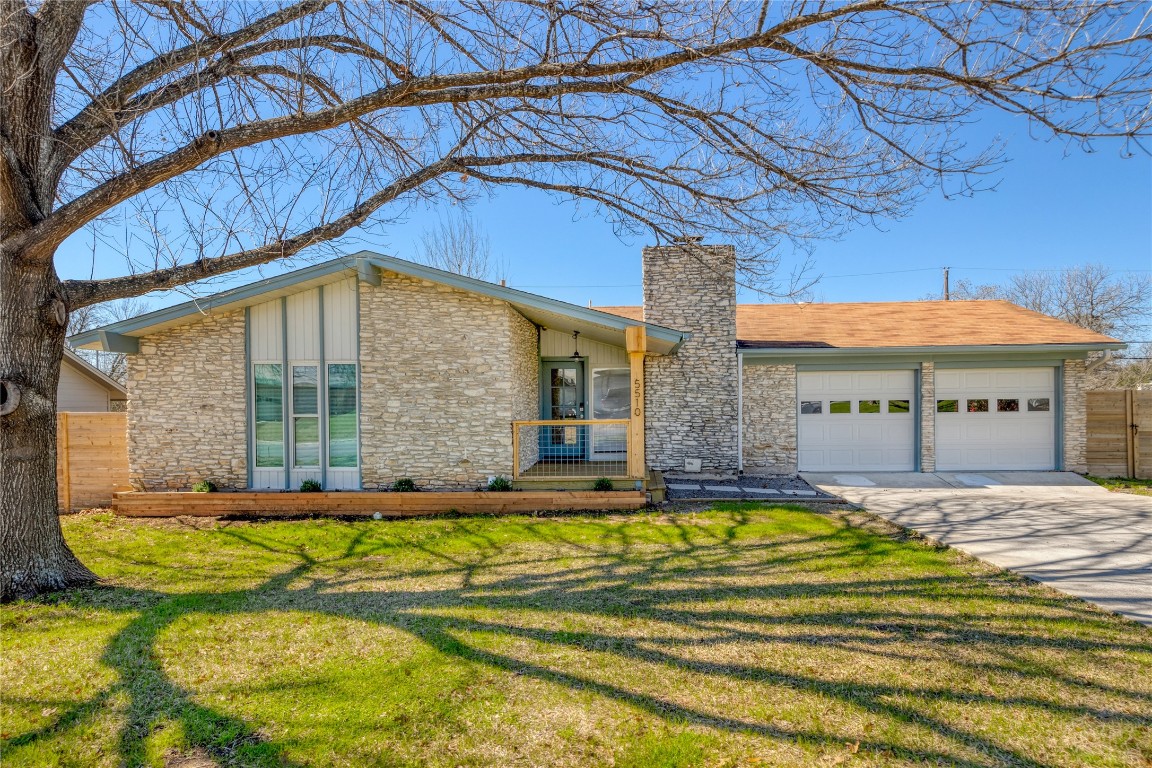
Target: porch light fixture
[{"x": 576, "y": 345}]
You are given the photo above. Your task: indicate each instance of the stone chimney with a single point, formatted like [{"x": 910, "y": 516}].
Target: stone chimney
[{"x": 690, "y": 397}]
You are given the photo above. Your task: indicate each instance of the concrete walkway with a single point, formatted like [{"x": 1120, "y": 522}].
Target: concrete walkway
[{"x": 1055, "y": 527}]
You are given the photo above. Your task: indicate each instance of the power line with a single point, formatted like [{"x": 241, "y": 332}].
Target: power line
[
  {"x": 891, "y": 272},
  {"x": 1031, "y": 269},
  {"x": 859, "y": 274}
]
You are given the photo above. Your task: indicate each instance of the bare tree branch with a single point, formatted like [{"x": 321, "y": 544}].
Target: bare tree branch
[{"x": 260, "y": 121}]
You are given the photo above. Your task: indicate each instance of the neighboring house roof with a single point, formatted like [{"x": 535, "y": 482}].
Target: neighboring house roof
[
  {"x": 116, "y": 390},
  {"x": 541, "y": 310},
  {"x": 899, "y": 324}
]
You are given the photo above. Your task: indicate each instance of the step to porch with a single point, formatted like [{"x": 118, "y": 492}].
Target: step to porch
[{"x": 652, "y": 482}]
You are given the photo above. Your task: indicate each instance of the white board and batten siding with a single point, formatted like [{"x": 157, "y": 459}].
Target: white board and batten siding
[
  {"x": 265, "y": 346},
  {"x": 996, "y": 418},
  {"x": 307, "y": 342},
  {"x": 341, "y": 345},
  {"x": 856, "y": 420},
  {"x": 596, "y": 355},
  {"x": 77, "y": 392}
]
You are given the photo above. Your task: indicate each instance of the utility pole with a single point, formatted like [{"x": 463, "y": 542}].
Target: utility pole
[{"x": 947, "y": 294}]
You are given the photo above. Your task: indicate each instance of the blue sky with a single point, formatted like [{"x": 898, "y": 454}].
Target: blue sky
[{"x": 1054, "y": 206}]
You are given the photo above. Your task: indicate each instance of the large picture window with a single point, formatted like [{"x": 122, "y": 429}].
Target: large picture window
[
  {"x": 269, "y": 381},
  {"x": 342, "y": 415}
]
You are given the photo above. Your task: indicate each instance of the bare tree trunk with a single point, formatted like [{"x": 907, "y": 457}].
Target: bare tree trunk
[{"x": 33, "y": 555}]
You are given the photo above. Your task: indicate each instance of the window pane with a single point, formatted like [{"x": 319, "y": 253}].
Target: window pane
[
  {"x": 342, "y": 415},
  {"x": 304, "y": 389},
  {"x": 1008, "y": 406},
  {"x": 611, "y": 395},
  {"x": 978, "y": 406},
  {"x": 811, "y": 406},
  {"x": 1038, "y": 404},
  {"x": 898, "y": 406},
  {"x": 840, "y": 406},
  {"x": 947, "y": 406},
  {"x": 869, "y": 406},
  {"x": 307, "y": 433},
  {"x": 610, "y": 438},
  {"x": 269, "y": 415}
]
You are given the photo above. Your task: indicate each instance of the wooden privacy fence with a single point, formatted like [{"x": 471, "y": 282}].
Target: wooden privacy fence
[
  {"x": 1120, "y": 433},
  {"x": 91, "y": 459}
]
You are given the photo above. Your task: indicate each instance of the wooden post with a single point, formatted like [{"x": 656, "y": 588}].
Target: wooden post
[
  {"x": 637, "y": 344},
  {"x": 1130, "y": 431},
  {"x": 515, "y": 451},
  {"x": 63, "y": 459}
]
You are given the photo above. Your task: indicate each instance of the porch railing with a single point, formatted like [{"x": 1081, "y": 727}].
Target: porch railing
[{"x": 566, "y": 449}]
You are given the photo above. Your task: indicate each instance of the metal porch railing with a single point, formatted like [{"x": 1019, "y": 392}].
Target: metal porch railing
[{"x": 565, "y": 449}]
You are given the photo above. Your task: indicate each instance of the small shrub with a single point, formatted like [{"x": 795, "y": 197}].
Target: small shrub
[
  {"x": 602, "y": 484},
  {"x": 404, "y": 485},
  {"x": 499, "y": 483},
  {"x": 204, "y": 486},
  {"x": 310, "y": 486}
]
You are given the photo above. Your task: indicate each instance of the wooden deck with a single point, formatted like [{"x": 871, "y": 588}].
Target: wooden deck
[{"x": 368, "y": 503}]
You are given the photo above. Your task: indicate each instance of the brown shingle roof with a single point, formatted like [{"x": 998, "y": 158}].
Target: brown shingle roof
[{"x": 896, "y": 324}]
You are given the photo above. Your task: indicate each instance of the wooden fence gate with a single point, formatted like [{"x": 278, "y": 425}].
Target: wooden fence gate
[
  {"x": 1120, "y": 433},
  {"x": 91, "y": 459}
]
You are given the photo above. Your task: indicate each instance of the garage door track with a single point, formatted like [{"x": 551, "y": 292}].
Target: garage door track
[{"x": 1055, "y": 527}]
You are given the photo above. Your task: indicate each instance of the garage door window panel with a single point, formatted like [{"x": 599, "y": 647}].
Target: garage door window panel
[
  {"x": 811, "y": 406},
  {"x": 1007, "y": 405},
  {"x": 978, "y": 405},
  {"x": 840, "y": 406},
  {"x": 947, "y": 406},
  {"x": 1038, "y": 404},
  {"x": 899, "y": 406},
  {"x": 868, "y": 406}
]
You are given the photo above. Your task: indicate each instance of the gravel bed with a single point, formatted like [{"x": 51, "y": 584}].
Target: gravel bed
[{"x": 684, "y": 487}]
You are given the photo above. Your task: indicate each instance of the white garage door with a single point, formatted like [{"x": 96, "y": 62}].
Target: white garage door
[
  {"x": 995, "y": 418},
  {"x": 856, "y": 420}
]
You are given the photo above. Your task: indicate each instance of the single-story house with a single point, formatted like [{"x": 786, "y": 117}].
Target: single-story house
[
  {"x": 367, "y": 368},
  {"x": 85, "y": 388}
]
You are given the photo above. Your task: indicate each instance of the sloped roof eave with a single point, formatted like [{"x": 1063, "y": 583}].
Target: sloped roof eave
[
  {"x": 667, "y": 339},
  {"x": 85, "y": 368}
]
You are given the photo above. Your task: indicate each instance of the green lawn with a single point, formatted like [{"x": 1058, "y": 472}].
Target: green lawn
[
  {"x": 1124, "y": 484},
  {"x": 743, "y": 636}
]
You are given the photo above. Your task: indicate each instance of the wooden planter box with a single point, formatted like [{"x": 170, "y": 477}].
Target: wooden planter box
[{"x": 368, "y": 503}]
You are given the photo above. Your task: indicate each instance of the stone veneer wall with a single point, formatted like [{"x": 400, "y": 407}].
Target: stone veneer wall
[
  {"x": 443, "y": 373},
  {"x": 769, "y": 419},
  {"x": 927, "y": 417},
  {"x": 526, "y": 386},
  {"x": 186, "y": 407},
  {"x": 1075, "y": 416},
  {"x": 690, "y": 397}
]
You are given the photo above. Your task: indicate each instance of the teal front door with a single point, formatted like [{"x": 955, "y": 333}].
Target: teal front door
[{"x": 562, "y": 398}]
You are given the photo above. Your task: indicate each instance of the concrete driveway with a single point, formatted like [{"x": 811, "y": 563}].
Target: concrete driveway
[{"x": 1055, "y": 527}]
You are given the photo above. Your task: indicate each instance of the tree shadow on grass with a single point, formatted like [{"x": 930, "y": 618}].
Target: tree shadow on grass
[{"x": 680, "y": 576}]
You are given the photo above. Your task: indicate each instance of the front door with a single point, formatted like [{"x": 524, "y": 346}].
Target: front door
[{"x": 562, "y": 398}]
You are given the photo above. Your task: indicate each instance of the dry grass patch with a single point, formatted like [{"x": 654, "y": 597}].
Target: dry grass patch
[
  {"x": 1124, "y": 485},
  {"x": 740, "y": 635}
]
